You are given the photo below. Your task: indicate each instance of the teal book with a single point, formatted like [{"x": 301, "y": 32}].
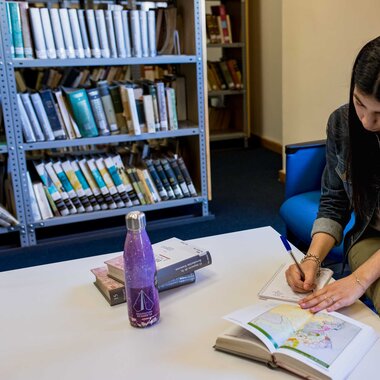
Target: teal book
[
  {"x": 12, "y": 47},
  {"x": 15, "y": 18},
  {"x": 82, "y": 113}
]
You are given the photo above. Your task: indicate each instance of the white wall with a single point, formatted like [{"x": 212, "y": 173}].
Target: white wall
[{"x": 320, "y": 40}]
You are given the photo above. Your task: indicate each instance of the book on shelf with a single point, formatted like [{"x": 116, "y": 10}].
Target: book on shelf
[
  {"x": 278, "y": 288},
  {"x": 7, "y": 217},
  {"x": 174, "y": 258},
  {"x": 114, "y": 291},
  {"x": 313, "y": 346},
  {"x": 221, "y": 16}
]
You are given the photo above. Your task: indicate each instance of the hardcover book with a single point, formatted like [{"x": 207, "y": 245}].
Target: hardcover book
[
  {"x": 174, "y": 258},
  {"x": 313, "y": 346}
]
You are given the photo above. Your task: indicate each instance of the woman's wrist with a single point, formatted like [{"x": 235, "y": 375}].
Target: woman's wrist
[{"x": 311, "y": 257}]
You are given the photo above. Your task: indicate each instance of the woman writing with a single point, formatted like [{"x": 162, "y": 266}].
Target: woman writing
[{"x": 351, "y": 181}]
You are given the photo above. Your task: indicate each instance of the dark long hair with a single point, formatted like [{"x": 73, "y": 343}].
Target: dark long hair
[{"x": 364, "y": 157}]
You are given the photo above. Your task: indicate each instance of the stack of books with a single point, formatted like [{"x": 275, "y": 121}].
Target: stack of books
[
  {"x": 114, "y": 32},
  {"x": 176, "y": 261},
  {"x": 224, "y": 75}
]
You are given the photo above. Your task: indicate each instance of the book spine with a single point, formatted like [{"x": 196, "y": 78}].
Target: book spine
[
  {"x": 118, "y": 107},
  {"x": 133, "y": 111},
  {"x": 42, "y": 116},
  {"x": 127, "y": 38},
  {"x": 48, "y": 33},
  {"x": 119, "y": 33},
  {"x": 51, "y": 112},
  {"x": 127, "y": 183},
  {"x": 38, "y": 34},
  {"x": 149, "y": 113},
  {"x": 226, "y": 74},
  {"x": 164, "y": 178},
  {"x": 143, "y": 18},
  {"x": 109, "y": 183},
  {"x": 157, "y": 181},
  {"x": 153, "y": 91},
  {"x": 146, "y": 191},
  {"x": 58, "y": 33},
  {"x": 9, "y": 19},
  {"x": 67, "y": 35},
  {"x": 32, "y": 117},
  {"x": 69, "y": 171},
  {"x": 84, "y": 33},
  {"x": 109, "y": 109},
  {"x": 172, "y": 178},
  {"x": 117, "y": 180},
  {"x": 171, "y": 106},
  {"x": 7, "y": 216},
  {"x": 85, "y": 186},
  {"x": 101, "y": 184},
  {"x": 176, "y": 282},
  {"x": 152, "y": 33},
  {"x": 66, "y": 121},
  {"x": 110, "y": 32},
  {"x": 42, "y": 202},
  {"x": 26, "y": 125},
  {"x": 77, "y": 36},
  {"x": 161, "y": 99},
  {"x": 67, "y": 185},
  {"x": 58, "y": 184},
  {"x": 32, "y": 199},
  {"x": 102, "y": 32},
  {"x": 15, "y": 16},
  {"x": 178, "y": 174},
  {"x": 152, "y": 187},
  {"x": 98, "y": 111},
  {"x": 53, "y": 191},
  {"x": 82, "y": 113},
  {"x": 93, "y": 33},
  {"x": 136, "y": 186},
  {"x": 136, "y": 33},
  {"x": 86, "y": 170},
  {"x": 187, "y": 177},
  {"x": 184, "y": 267}
]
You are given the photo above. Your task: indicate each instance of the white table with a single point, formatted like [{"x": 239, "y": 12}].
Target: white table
[{"x": 54, "y": 323}]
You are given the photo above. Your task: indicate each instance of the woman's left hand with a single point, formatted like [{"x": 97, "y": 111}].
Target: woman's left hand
[{"x": 334, "y": 296}]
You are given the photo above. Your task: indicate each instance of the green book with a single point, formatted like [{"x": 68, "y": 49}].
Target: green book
[
  {"x": 81, "y": 110},
  {"x": 15, "y": 19},
  {"x": 12, "y": 47}
]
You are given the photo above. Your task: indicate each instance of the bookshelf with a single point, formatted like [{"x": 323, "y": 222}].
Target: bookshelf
[
  {"x": 190, "y": 135},
  {"x": 228, "y": 108}
]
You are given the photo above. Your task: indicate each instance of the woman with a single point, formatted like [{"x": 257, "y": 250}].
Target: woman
[{"x": 351, "y": 181}]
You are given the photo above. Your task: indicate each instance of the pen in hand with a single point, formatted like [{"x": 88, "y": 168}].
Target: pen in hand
[{"x": 289, "y": 249}]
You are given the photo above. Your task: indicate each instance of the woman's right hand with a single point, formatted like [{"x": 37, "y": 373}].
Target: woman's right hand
[{"x": 293, "y": 276}]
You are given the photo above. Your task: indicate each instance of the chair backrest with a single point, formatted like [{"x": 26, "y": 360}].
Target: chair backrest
[{"x": 304, "y": 167}]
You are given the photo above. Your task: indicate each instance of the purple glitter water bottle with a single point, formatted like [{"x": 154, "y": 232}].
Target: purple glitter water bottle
[{"x": 140, "y": 273}]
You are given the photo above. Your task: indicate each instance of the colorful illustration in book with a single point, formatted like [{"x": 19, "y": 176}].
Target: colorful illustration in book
[{"x": 320, "y": 337}]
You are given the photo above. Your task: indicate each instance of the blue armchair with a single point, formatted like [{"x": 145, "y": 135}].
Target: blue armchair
[{"x": 304, "y": 166}]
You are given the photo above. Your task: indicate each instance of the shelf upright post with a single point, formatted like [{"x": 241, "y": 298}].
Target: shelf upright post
[
  {"x": 13, "y": 130},
  {"x": 199, "y": 17}
]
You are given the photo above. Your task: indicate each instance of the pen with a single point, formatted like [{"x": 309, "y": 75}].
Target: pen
[{"x": 289, "y": 249}]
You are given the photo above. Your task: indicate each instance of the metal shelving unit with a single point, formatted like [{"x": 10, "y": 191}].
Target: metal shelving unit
[
  {"x": 240, "y": 125},
  {"x": 193, "y": 130}
]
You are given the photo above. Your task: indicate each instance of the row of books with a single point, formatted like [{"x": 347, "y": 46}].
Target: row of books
[
  {"x": 218, "y": 25},
  {"x": 92, "y": 183},
  {"x": 68, "y": 113},
  {"x": 176, "y": 261},
  {"x": 115, "y": 32},
  {"x": 224, "y": 75}
]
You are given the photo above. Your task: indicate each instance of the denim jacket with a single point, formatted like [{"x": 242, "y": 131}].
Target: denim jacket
[{"x": 336, "y": 194}]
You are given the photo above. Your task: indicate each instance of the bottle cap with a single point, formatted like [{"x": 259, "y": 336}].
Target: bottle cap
[{"x": 135, "y": 220}]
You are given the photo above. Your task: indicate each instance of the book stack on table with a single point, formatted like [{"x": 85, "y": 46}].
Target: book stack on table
[{"x": 176, "y": 261}]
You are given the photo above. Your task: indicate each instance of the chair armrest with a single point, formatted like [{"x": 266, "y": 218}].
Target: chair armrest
[{"x": 304, "y": 166}]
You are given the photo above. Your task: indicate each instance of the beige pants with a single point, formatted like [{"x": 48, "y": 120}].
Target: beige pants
[{"x": 358, "y": 254}]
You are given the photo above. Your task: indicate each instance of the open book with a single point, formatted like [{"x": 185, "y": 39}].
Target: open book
[
  {"x": 314, "y": 346},
  {"x": 278, "y": 288}
]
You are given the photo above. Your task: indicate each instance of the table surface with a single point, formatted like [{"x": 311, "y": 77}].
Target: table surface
[{"x": 54, "y": 323}]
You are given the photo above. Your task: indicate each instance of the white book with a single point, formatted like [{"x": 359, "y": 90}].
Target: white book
[
  {"x": 172, "y": 110},
  {"x": 149, "y": 113},
  {"x": 152, "y": 33},
  {"x": 76, "y": 33},
  {"x": 32, "y": 199},
  {"x": 93, "y": 33},
  {"x": 161, "y": 99},
  {"x": 143, "y": 18},
  {"x": 127, "y": 37},
  {"x": 67, "y": 35},
  {"x": 102, "y": 32},
  {"x": 84, "y": 33},
  {"x": 57, "y": 33},
  {"x": 65, "y": 115},
  {"x": 38, "y": 33},
  {"x": 42, "y": 116},
  {"x": 119, "y": 33},
  {"x": 133, "y": 111},
  {"x": 42, "y": 201},
  {"x": 32, "y": 117},
  {"x": 136, "y": 33},
  {"x": 48, "y": 33},
  {"x": 110, "y": 32},
  {"x": 26, "y": 125}
]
